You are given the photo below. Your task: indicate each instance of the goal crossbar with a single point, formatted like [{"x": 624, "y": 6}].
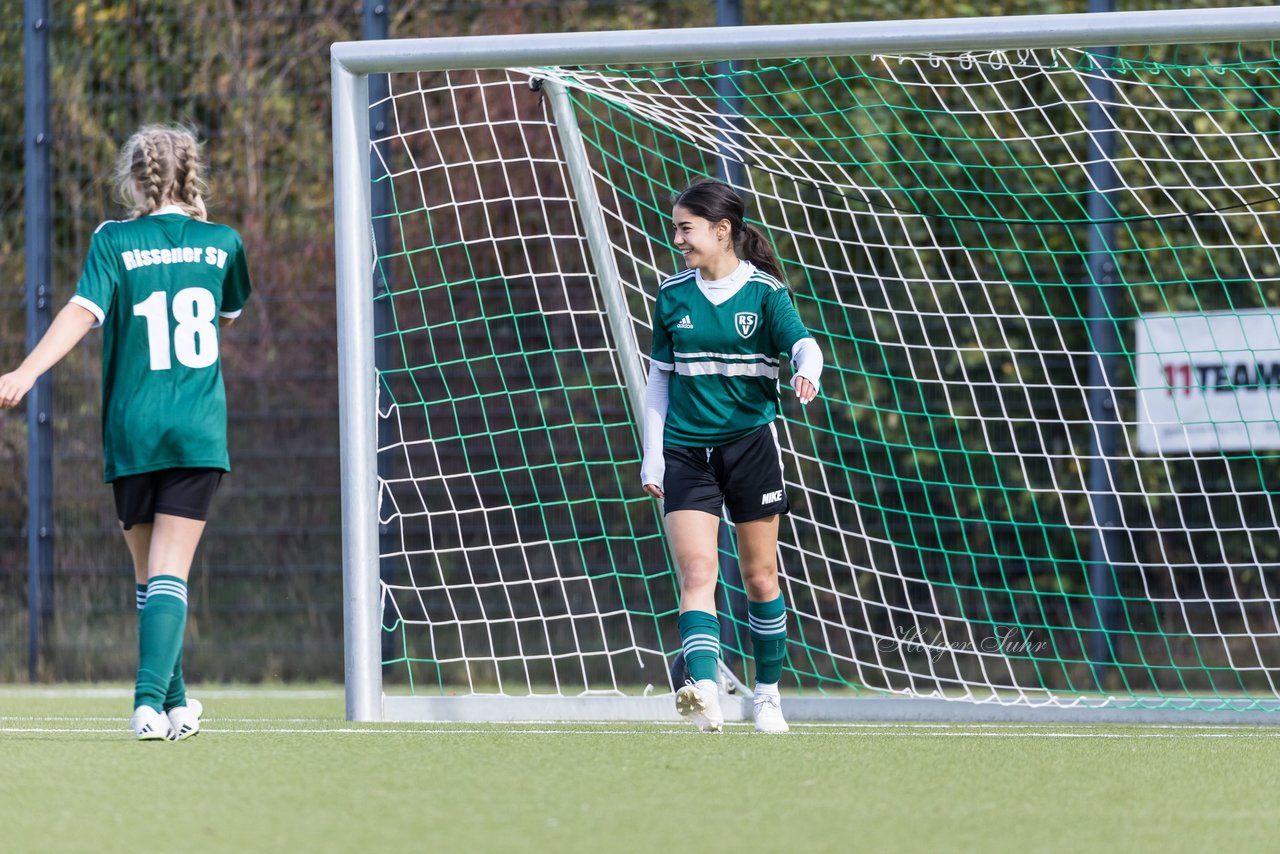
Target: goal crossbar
[{"x": 1011, "y": 32}]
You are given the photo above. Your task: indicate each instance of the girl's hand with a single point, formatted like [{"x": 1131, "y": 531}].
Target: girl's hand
[
  {"x": 804, "y": 389},
  {"x": 13, "y": 387},
  {"x": 653, "y": 489}
]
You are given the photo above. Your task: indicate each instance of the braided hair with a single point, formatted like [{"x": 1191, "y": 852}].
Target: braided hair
[{"x": 159, "y": 165}]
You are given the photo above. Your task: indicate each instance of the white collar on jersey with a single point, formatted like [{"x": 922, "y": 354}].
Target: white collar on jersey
[
  {"x": 719, "y": 290},
  {"x": 168, "y": 209}
]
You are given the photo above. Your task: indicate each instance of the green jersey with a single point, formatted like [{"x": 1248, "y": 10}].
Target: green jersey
[
  {"x": 722, "y": 342},
  {"x": 157, "y": 286}
]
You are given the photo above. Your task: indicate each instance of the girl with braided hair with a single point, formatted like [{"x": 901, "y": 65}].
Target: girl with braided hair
[{"x": 160, "y": 284}]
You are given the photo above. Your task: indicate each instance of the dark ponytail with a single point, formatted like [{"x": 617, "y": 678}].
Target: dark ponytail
[
  {"x": 757, "y": 249},
  {"x": 714, "y": 201}
]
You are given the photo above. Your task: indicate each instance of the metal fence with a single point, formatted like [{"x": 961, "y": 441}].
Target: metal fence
[{"x": 265, "y": 585}]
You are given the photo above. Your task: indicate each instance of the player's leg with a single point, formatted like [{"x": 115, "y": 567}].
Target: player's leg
[
  {"x": 138, "y": 538},
  {"x": 755, "y": 495},
  {"x": 693, "y": 502},
  {"x": 164, "y": 616},
  {"x": 692, "y": 534},
  {"x": 181, "y": 507},
  {"x": 147, "y": 723},
  {"x": 188, "y": 494},
  {"x": 135, "y": 508},
  {"x": 767, "y": 616},
  {"x": 184, "y": 716}
]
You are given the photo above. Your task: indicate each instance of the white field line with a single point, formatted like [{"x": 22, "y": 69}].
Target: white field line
[
  {"x": 268, "y": 724},
  {"x": 849, "y": 731},
  {"x": 38, "y": 693}
]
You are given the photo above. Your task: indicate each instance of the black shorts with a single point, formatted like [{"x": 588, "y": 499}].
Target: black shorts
[
  {"x": 176, "y": 492},
  {"x": 745, "y": 476}
]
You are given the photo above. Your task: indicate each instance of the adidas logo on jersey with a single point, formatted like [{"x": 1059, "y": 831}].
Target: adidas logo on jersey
[{"x": 685, "y": 323}]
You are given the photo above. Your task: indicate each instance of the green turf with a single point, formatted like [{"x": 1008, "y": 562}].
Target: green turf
[{"x": 281, "y": 771}]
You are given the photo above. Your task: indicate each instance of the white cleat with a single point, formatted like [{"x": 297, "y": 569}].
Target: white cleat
[
  {"x": 185, "y": 720},
  {"x": 150, "y": 725},
  {"x": 769, "y": 719},
  {"x": 700, "y": 703}
]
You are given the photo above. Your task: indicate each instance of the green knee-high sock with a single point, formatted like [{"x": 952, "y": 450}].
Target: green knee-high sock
[
  {"x": 768, "y": 623},
  {"x": 160, "y": 626},
  {"x": 700, "y": 637},
  {"x": 176, "y": 695}
]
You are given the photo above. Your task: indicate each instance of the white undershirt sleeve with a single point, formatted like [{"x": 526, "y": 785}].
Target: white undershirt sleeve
[
  {"x": 656, "y": 392},
  {"x": 806, "y": 361}
]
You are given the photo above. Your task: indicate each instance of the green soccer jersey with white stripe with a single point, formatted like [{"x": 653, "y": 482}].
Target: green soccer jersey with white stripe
[
  {"x": 724, "y": 355},
  {"x": 157, "y": 286}
]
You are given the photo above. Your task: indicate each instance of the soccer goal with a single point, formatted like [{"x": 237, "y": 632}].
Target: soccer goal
[{"x": 1040, "y": 255}]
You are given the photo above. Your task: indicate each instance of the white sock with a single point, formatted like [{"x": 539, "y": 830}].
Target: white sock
[
  {"x": 767, "y": 689},
  {"x": 708, "y": 685}
]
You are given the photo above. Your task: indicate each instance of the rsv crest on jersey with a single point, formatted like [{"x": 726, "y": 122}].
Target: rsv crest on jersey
[{"x": 745, "y": 322}]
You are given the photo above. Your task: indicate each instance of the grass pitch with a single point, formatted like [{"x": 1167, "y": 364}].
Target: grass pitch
[{"x": 280, "y": 770}]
